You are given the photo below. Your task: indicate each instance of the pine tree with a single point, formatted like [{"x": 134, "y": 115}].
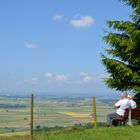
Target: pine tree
[{"x": 122, "y": 60}]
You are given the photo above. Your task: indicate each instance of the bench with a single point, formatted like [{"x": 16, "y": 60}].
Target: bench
[{"x": 128, "y": 115}]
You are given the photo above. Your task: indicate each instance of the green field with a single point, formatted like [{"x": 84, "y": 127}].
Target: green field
[
  {"x": 49, "y": 112},
  {"x": 118, "y": 133}
]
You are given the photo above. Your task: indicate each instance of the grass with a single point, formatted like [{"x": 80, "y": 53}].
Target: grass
[
  {"x": 117, "y": 133},
  {"x": 22, "y": 133}
]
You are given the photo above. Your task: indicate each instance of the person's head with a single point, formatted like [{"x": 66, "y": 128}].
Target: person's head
[{"x": 124, "y": 94}]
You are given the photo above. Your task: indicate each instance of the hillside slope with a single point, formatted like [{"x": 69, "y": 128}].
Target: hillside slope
[{"x": 118, "y": 133}]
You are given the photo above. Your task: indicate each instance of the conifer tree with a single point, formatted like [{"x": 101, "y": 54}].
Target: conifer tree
[{"x": 122, "y": 60}]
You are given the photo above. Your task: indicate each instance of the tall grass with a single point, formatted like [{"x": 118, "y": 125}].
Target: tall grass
[{"x": 116, "y": 133}]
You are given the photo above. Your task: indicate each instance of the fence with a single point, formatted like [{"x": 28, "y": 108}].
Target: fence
[{"x": 50, "y": 112}]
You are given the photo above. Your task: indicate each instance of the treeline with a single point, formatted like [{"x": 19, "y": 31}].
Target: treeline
[{"x": 12, "y": 106}]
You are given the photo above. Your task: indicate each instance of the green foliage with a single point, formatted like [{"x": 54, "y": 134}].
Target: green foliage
[
  {"x": 135, "y": 4},
  {"x": 123, "y": 54}
]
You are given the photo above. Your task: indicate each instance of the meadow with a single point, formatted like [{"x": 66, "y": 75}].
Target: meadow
[{"x": 117, "y": 133}]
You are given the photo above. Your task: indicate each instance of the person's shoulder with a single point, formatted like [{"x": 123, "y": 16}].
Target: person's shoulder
[{"x": 125, "y": 100}]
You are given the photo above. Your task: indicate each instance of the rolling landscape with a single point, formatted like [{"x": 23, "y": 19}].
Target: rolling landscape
[
  {"x": 50, "y": 111},
  {"x": 59, "y": 118},
  {"x": 63, "y": 65}
]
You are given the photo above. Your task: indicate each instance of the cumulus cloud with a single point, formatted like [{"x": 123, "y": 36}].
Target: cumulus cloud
[
  {"x": 86, "y": 77},
  {"x": 85, "y": 21},
  {"x": 48, "y": 75},
  {"x": 58, "y": 17},
  {"x": 30, "y": 45},
  {"x": 56, "y": 78}
]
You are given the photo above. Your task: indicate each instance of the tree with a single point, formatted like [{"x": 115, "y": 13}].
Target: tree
[{"x": 122, "y": 60}]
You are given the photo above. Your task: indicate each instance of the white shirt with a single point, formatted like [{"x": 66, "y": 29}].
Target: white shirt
[{"x": 122, "y": 104}]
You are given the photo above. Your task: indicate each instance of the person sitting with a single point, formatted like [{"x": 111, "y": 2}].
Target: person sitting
[{"x": 120, "y": 106}]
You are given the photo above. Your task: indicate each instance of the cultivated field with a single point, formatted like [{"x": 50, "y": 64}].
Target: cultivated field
[{"x": 49, "y": 112}]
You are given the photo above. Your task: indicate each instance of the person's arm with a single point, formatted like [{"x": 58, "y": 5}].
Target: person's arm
[
  {"x": 117, "y": 104},
  {"x": 133, "y": 104}
]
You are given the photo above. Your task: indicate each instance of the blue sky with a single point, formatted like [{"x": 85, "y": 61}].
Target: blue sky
[{"x": 55, "y": 45}]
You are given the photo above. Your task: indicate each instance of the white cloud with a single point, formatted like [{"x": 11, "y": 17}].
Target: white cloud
[
  {"x": 85, "y": 21},
  {"x": 84, "y": 73},
  {"x": 63, "y": 78},
  {"x": 48, "y": 75},
  {"x": 30, "y": 45},
  {"x": 104, "y": 76},
  {"x": 58, "y": 17},
  {"x": 34, "y": 79},
  {"x": 60, "y": 78},
  {"x": 86, "y": 77},
  {"x": 56, "y": 78},
  {"x": 101, "y": 77}
]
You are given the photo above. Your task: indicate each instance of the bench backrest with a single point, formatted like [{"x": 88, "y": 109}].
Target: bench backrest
[{"x": 135, "y": 113}]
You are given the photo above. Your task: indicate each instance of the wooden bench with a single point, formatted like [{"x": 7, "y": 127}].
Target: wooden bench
[{"x": 129, "y": 114}]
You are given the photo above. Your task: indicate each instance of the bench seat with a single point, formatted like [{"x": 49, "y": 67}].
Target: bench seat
[{"x": 135, "y": 114}]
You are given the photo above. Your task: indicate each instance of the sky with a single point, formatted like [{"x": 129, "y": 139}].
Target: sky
[{"x": 55, "y": 45}]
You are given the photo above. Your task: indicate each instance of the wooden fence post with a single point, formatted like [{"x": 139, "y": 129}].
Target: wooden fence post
[
  {"x": 94, "y": 112},
  {"x": 32, "y": 121}
]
